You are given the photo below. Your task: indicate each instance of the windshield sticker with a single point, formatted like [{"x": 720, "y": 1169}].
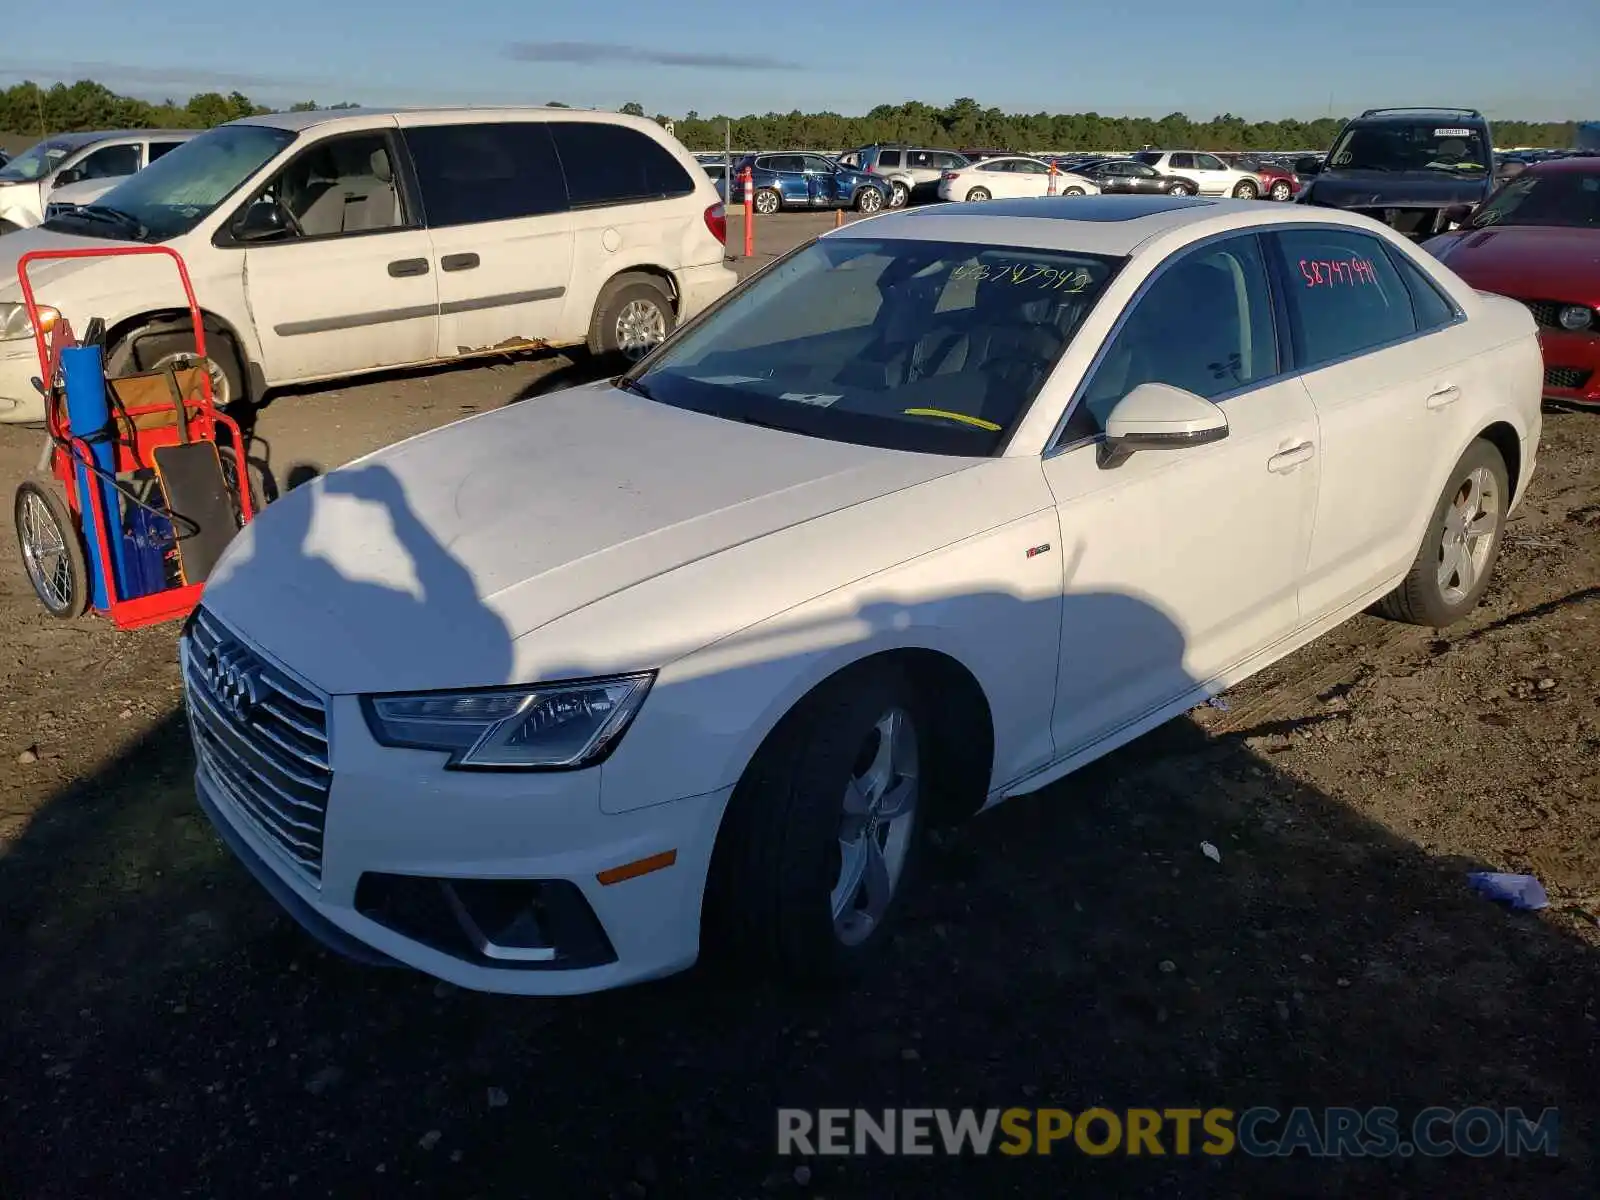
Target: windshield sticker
[
  {"x": 1071, "y": 280},
  {"x": 1452, "y": 133},
  {"x": 820, "y": 399},
  {"x": 1337, "y": 272},
  {"x": 726, "y": 380}
]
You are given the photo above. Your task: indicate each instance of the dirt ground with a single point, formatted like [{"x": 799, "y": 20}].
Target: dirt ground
[{"x": 168, "y": 1032}]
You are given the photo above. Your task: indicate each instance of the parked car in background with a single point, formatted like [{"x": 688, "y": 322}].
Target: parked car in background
[
  {"x": 67, "y": 197},
  {"x": 1278, "y": 182},
  {"x": 1419, "y": 171},
  {"x": 28, "y": 182},
  {"x": 1206, "y": 174},
  {"x": 1537, "y": 240},
  {"x": 912, "y": 172},
  {"x": 717, "y": 172},
  {"x": 1129, "y": 177},
  {"x": 333, "y": 242},
  {"x": 798, "y": 180},
  {"x": 1009, "y": 178},
  {"x": 978, "y": 153},
  {"x": 889, "y": 537}
]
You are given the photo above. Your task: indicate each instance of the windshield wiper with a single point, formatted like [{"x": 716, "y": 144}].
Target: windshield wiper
[
  {"x": 114, "y": 216},
  {"x": 634, "y": 386}
]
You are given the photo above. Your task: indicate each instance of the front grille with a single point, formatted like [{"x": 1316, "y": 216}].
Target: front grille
[
  {"x": 1566, "y": 377},
  {"x": 1545, "y": 312},
  {"x": 262, "y": 735}
]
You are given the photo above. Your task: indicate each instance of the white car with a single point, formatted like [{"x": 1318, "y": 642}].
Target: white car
[
  {"x": 37, "y": 177},
  {"x": 65, "y": 197},
  {"x": 1010, "y": 177},
  {"x": 929, "y": 514},
  {"x": 1208, "y": 173},
  {"x": 324, "y": 244}
]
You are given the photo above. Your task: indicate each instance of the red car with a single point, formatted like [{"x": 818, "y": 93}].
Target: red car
[
  {"x": 1277, "y": 183},
  {"x": 1537, "y": 239}
]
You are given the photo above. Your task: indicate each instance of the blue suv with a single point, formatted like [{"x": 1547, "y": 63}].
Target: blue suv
[{"x": 807, "y": 181}]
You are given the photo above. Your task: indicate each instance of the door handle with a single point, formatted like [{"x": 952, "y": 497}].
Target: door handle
[
  {"x": 1288, "y": 460},
  {"x": 402, "y": 267},
  {"x": 1448, "y": 394},
  {"x": 458, "y": 262}
]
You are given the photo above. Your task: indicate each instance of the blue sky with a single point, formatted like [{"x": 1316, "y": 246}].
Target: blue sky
[{"x": 1530, "y": 60}]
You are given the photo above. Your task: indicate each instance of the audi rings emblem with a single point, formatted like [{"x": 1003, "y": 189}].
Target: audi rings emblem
[{"x": 234, "y": 683}]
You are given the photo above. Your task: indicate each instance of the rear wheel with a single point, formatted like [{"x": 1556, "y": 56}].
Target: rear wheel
[
  {"x": 899, "y": 196},
  {"x": 631, "y": 318},
  {"x": 1246, "y": 189},
  {"x": 1180, "y": 189},
  {"x": 1459, "y": 551},
  {"x": 1281, "y": 190},
  {"x": 978, "y": 193},
  {"x": 52, "y": 550},
  {"x": 869, "y": 200},
  {"x": 768, "y": 202},
  {"x": 1073, "y": 191},
  {"x": 824, "y": 830}
]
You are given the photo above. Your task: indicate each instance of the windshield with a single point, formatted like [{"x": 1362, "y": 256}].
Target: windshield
[
  {"x": 36, "y": 162},
  {"x": 1454, "y": 150},
  {"x": 1570, "y": 198},
  {"x": 180, "y": 189},
  {"x": 927, "y": 346}
]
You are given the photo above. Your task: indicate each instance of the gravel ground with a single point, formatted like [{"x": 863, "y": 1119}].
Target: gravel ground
[{"x": 169, "y": 1033}]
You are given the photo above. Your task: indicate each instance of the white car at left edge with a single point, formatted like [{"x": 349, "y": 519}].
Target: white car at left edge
[{"x": 925, "y": 515}]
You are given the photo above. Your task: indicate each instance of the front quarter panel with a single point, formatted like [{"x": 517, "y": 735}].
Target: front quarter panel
[{"x": 943, "y": 566}]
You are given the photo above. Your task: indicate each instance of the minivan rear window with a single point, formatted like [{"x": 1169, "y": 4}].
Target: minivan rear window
[
  {"x": 491, "y": 172},
  {"x": 612, "y": 164}
]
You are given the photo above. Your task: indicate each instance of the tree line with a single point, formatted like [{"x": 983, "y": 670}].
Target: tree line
[{"x": 28, "y": 108}]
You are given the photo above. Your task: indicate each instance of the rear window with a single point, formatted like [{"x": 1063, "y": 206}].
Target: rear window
[
  {"x": 911, "y": 345},
  {"x": 612, "y": 164}
]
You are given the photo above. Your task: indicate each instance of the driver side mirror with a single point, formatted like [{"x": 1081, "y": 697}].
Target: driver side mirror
[
  {"x": 1158, "y": 416},
  {"x": 68, "y": 175},
  {"x": 1307, "y": 166},
  {"x": 262, "y": 221}
]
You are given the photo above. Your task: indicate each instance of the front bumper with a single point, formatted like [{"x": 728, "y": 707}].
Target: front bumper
[
  {"x": 429, "y": 868},
  {"x": 1571, "y": 365},
  {"x": 20, "y": 403}
]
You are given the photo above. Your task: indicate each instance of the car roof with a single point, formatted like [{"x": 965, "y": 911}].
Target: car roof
[
  {"x": 1111, "y": 225},
  {"x": 1420, "y": 116},
  {"x": 299, "y": 121},
  {"x": 1576, "y": 165},
  {"x": 89, "y": 137}
]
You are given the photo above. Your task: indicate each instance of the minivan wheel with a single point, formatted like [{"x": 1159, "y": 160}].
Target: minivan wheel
[
  {"x": 768, "y": 202},
  {"x": 824, "y": 831},
  {"x": 1459, "y": 551},
  {"x": 159, "y": 345},
  {"x": 631, "y": 318},
  {"x": 869, "y": 200},
  {"x": 1246, "y": 189}
]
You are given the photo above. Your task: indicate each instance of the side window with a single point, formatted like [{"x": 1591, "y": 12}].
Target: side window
[
  {"x": 1182, "y": 162},
  {"x": 784, "y": 162},
  {"x": 1430, "y": 306},
  {"x": 470, "y": 174},
  {"x": 1344, "y": 294},
  {"x": 1023, "y": 167},
  {"x": 341, "y": 185},
  {"x": 109, "y": 162},
  {"x": 1204, "y": 325},
  {"x": 948, "y": 162},
  {"x": 920, "y": 159},
  {"x": 1210, "y": 162},
  {"x": 995, "y": 165},
  {"x": 889, "y": 158},
  {"x": 612, "y": 164},
  {"x": 817, "y": 165},
  {"x": 157, "y": 149}
]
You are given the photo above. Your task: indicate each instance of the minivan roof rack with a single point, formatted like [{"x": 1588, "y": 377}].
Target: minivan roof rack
[{"x": 1471, "y": 112}]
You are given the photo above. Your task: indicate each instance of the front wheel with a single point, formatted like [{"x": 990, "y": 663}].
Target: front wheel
[
  {"x": 1459, "y": 551},
  {"x": 158, "y": 345},
  {"x": 869, "y": 200},
  {"x": 1281, "y": 190},
  {"x": 823, "y": 831},
  {"x": 1246, "y": 189},
  {"x": 1180, "y": 189},
  {"x": 52, "y": 550},
  {"x": 978, "y": 193}
]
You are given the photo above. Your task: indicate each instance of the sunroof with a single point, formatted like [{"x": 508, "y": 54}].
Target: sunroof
[{"x": 1072, "y": 208}]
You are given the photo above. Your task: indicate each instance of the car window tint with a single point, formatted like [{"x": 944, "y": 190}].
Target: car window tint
[
  {"x": 784, "y": 162},
  {"x": 157, "y": 149},
  {"x": 1344, "y": 294},
  {"x": 995, "y": 165},
  {"x": 888, "y": 158},
  {"x": 1427, "y": 303},
  {"x": 1183, "y": 162},
  {"x": 612, "y": 164},
  {"x": 474, "y": 173},
  {"x": 1210, "y": 162},
  {"x": 109, "y": 162},
  {"x": 818, "y": 165},
  {"x": 340, "y": 185},
  {"x": 1204, "y": 325}
]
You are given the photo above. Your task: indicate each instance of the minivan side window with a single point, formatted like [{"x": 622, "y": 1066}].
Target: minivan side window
[
  {"x": 612, "y": 164},
  {"x": 471, "y": 174},
  {"x": 1344, "y": 294},
  {"x": 337, "y": 186}
]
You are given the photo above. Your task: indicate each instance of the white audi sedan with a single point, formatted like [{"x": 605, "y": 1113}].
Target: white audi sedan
[
  {"x": 1011, "y": 177},
  {"x": 927, "y": 514}
]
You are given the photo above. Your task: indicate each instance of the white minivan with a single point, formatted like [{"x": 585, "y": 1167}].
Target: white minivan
[
  {"x": 324, "y": 244},
  {"x": 91, "y": 163}
]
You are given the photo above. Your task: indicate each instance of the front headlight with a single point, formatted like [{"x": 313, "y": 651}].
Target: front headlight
[
  {"x": 14, "y": 324},
  {"x": 556, "y": 726},
  {"x": 1575, "y": 317}
]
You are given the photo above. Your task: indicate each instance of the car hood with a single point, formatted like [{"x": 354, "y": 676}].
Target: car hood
[
  {"x": 1383, "y": 189},
  {"x": 85, "y": 191},
  {"x": 1535, "y": 262},
  {"x": 451, "y": 559},
  {"x": 14, "y": 245}
]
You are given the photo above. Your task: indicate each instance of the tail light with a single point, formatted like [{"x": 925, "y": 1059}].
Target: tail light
[
  {"x": 717, "y": 222},
  {"x": 948, "y": 175}
]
